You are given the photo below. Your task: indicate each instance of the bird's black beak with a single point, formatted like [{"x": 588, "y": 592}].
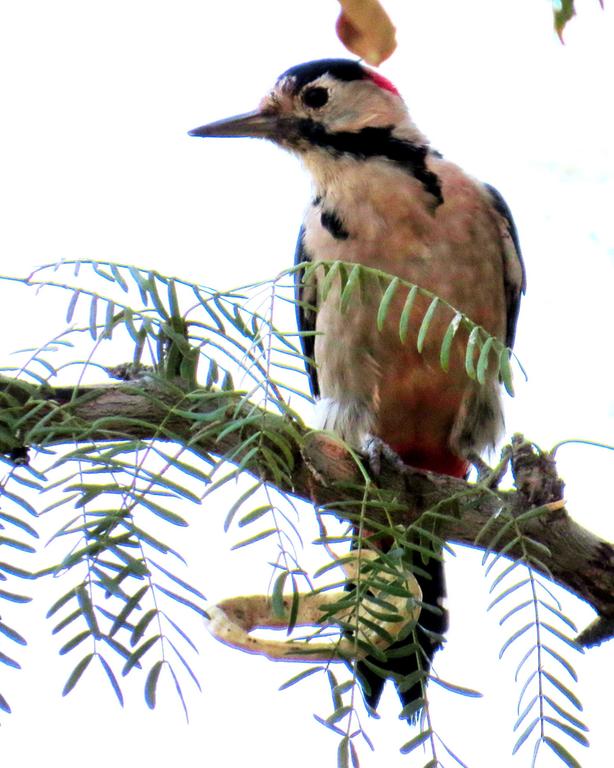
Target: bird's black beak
[{"x": 255, "y": 124}]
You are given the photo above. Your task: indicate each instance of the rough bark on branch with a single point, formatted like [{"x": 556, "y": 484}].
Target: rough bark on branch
[{"x": 326, "y": 473}]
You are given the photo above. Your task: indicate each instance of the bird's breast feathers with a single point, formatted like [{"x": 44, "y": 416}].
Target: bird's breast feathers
[
  {"x": 379, "y": 216},
  {"x": 369, "y": 380}
]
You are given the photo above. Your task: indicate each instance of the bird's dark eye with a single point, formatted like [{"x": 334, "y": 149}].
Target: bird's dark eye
[{"x": 315, "y": 97}]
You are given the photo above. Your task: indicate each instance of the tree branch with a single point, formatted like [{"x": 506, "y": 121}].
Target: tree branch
[{"x": 327, "y": 474}]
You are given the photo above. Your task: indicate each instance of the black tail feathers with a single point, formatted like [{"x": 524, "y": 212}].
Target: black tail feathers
[{"x": 407, "y": 665}]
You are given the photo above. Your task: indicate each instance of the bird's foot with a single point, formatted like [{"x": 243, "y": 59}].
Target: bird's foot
[
  {"x": 376, "y": 450},
  {"x": 491, "y": 476},
  {"x": 482, "y": 468}
]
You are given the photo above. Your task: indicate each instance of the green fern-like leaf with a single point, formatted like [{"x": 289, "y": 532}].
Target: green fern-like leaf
[{"x": 533, "y": 709}]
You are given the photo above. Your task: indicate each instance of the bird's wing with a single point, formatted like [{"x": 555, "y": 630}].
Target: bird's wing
[
  {"x": 514, "y": 276},
  {"x": 305, "y": 297}
]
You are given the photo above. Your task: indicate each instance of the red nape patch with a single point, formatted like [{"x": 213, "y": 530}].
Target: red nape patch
[
  {"x": 444, "y": 463},
  {"x": 382, "y": 82}
]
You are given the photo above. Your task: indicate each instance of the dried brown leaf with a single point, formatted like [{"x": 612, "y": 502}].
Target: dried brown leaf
[{"x": 366, "y": 30}]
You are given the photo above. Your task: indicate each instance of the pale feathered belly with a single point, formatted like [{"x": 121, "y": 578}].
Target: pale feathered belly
[{"x": 373, "y": 384}]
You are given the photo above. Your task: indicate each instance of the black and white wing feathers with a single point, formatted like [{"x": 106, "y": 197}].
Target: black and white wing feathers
[
  {"x": 514, "y": 276},
  {"x": 306, "y": 297}
]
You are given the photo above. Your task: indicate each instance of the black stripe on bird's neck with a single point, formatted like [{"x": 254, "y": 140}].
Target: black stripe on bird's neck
[
  {"x": 333, "y": 224},
  {"x": 375, "y": 142}
]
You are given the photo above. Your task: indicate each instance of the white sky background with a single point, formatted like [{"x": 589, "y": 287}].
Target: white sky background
[{"x": 95, "y": 162}]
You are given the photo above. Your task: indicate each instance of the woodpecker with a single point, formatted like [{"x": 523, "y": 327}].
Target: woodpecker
[{"x": 384, "y": 198}]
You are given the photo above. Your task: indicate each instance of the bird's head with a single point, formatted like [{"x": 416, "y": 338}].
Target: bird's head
[{"x": 333, "y": 105}]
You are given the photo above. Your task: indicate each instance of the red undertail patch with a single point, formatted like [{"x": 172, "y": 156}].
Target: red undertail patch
[{"x": 442, "y": 463}]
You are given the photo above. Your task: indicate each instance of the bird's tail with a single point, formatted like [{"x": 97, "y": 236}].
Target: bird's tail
[
  {"x": 432, "y": 626},
  {"x": 405, "y": 663}
]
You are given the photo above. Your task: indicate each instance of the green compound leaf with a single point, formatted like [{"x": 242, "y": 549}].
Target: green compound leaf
[
  {"x": 426, "y": 323},
  {"x": 75, "y": 675},
  {"x": 151, "y": 684},
  {"x": 406, "y": 312},
  {"x": 560, "y": 751},
  {"x": 382, "y": 312}
]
